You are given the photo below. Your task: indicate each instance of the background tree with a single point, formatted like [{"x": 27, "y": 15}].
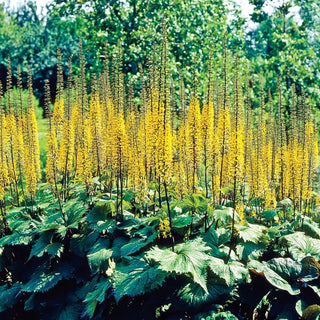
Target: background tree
[
  {"x": 278, "y": 44},
  {"x": 284, "y": 43},
  {"x": 194, "y": 26}
]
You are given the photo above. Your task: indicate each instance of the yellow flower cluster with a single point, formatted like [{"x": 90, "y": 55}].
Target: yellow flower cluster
[
  {"x": 19, "y": 147},
  {"x": 164, "y": 228},
  {"x": 224, "y": 148}
]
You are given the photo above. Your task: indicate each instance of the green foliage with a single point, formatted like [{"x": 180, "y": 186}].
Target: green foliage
[
  {"x": 182, "y": 221},
  {"x": 300, "y": 245},
  {"x": 79, "y": 260},
  {"x": 269, "y": 215},
  {"x": 9, "y": 296},
  {"x": 225, "y": 215},
  {"x": 282, "y": 44},
  {"x": 24, "y": 96},
  {"x": 96, "y": 296},
  {"x": 31, "y": 39},
  {"x": 98, "y": 255},
  {"x": 282, "y": 273},
  {"x": 194, "y": 295},
  {"x": 188, "y": 258},
  {"x": 230, "y": 273},
  {"x": 195, "y": 203},
  {"x": 221, "y": 316},
  {"x": 43, "y": 280},
  {"x": 44, "y": 244},
  {"x": 138, "y": 277},
  {"x": 311, "y": 229},
  {"x": 249, "y": 251}
]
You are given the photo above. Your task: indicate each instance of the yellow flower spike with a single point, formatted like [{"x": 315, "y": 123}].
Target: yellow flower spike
[
  {"x": 164, "y": 228},
  {"x": 96, "y": 149},
  {"x": 32, "y": 150},
  {"x": 194, "y": 141},
  {"x": 3, "y": 146},
  {"x": 207, "y": 123},
  {"x": 52, "y": 157}
]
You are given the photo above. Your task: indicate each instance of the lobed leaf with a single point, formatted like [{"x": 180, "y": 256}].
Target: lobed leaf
[
  {"x": 98, "y": 255},
  {"x": 230, "y": 273},
  {"x": 190, "y": 257},
  {"x": 300, "y": 245},
  {"x": 96, "y": 296},
  {"x": 9, "y": 296},
  {"x": 43, "y": 280},
  {"x": 138, "y": 277}
]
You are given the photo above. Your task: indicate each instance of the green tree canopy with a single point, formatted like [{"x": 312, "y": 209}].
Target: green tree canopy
[
  {"x": 283, "y": 44},
  {"x": 194, "y": 28}
]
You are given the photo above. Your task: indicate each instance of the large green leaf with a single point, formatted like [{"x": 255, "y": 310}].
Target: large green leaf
[
  {"x": 231, "y": 272},
  {"x": 311, "y": 229},
  {"x": 117, "y": 244},
  {"x": 134, "y": 245},
  {"x": 282, "y": 273},
  {"x": 224, "y": 316},
  {"x": 225, "y": 215},
  {"x": 277, "y": 281},
  {"x": 215, "y": 315},
  {"x": 105, "y": 226},
  {"x": 9, "y": 296},
  {"x": 188, "y": 258},
  {"x": 44, "y": 244},
  {"x": 215, "y": 238},
  {"x": 16, "y": 238},
  {"x": 181, "y": 221},
  {"x": 301, "y": 245},
  {"x": 98, "y": 216},
  {"x": 195, "y": 203},
  {"x": 193, "y": 294},
  {"x": 130, "y": 224},
  {"x": 51, "y": 222},
  {"x": 74, "y": 212},
  {"x": 249, "y": 251},
  {"x": 251, "y": 233},
  {"x": 63, "y": 306},
  {"x": 96, "y": 296},
  {"x": 315, "y": 289},
  {"x": 30, "y": 302},
  {"x": 280, "y": 230},
  {"x": 286, "y": 267},
  {"x": 42, "y": 282},
  {"x": 21, "y": 222},
  {"x": 269, "y": 215},
  {"x": 138, "y": 277},
  {"x": 148, "y": 233},
  {"x": 211, "y": 238},
  {"x": 43, "y": 279},
  {"x": 54, "y": 249},
  {"x": 98, "y": 255},
  {"x": 80, "y": 244},
  {"x": 69, "y": 312},
  {"x": 100, "y": 211}
]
